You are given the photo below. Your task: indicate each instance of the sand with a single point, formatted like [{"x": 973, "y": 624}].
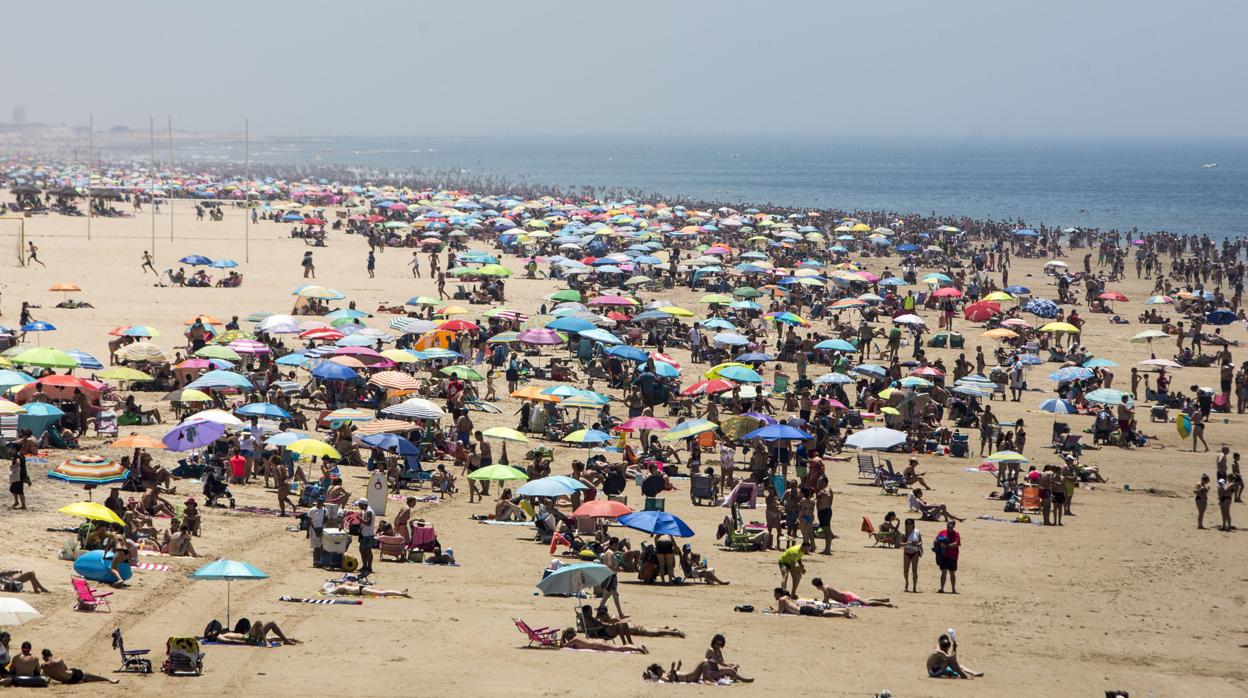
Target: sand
[{"x": 1128, "y": 595}]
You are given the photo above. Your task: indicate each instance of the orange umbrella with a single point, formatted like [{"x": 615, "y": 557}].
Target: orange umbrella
[
  {"x": 532, "y": 392},
  {"x": 66, "y": 287},
  {"x": 138, "y": 441},
  {"x": 206, "y": 319}
]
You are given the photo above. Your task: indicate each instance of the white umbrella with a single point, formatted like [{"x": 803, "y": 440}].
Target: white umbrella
[
  {"x": 876, "y": 438},
  {"x": 909, "y": 319},
  {"x": 415, "y": 408},
  {"x": 14, "y": 611}
]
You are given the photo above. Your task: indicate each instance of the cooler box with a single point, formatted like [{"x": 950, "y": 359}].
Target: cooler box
[{"x": 335, "y": 540}]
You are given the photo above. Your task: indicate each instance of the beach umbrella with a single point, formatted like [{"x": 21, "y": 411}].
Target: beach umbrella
[
  {"x": 392, "y": 443},
  {"x": 195, "y": 260},
  {"x": 876, "y": 438},
  {"x": 418, "y": 408},
  {"x": 1113, "y": 296},
  {"x": 38, "y": 326},
  {"x": 570, "y": 324},
  {"x": 136, "y": 331},
  {"x": 14, "y": 611},
  {"x": 836, "y": 345},
  {"x": 1163, "y": 363},
  {"x": 709, "y": 387},
  {"x": 981, "y": 311},
  {"x": 656, "y": 523},
  {"x": 93, "y": 511},
  {"x": 187, "y": 436},
  {"x": 603, "y": 336},
  {"x": 1071, "y": 373},
  {"x": 137, "y": 441},
  {"x": 1145, "y": 336},
  {"x": 284, "y": 438},
  {"x": 45, "y": 357},
  {"x": 313, "y": 448},
  {"x": 10, "y": 407},
  {"x": 505, "y": 434},
  {"x": 10, "y": 378},
  {"x": 1109, "y": 396},
  {"x": 688, "y": 429},
  {"x": 394, "y": 380},
  {"x": 629, "y": 353},
  {"x": 602, "y": 508},
  {"x": 755, "y": 357},
  {"x": 548, "y": 487},
  {"x": 465, "y": 372},
  {"x": 264, "y": 410},
  {"x": 348, "y": 414},
  {"x": 565, "y": 295},
  {"x": 644, "y": 423},
  {"x": 89, "y": 470},
  {"x": 123, "y": 373},
  {"x": 1006, "y": 457},
  {"x": 1158, "y": 300},
  {"x": 1058, "y": 406},
  {"x": 833, "y": 379},
  {"x": 499, "y": 472},
  {"x": 572, "y": 579},
  {"x": 1099, "y": 363},
  {"x": 187, "y": 395},
  {"x": 142, "y": 351},
  {"x": 85, "y": 360},
  {"x": 221, "y": 379},
  {"x": 587, "y": 436},
  {"x": 1059, "y": 327},
  {"x": 1000, "y": 333},
  {"x": 538, "y": 336},
  {"x": 330, "y": 371},
  {"x": 229, "y": 570},
  {"x": 909, "y": 319},
  {"x": 1220, "y": 317},
  {"x": 1041, "y": 307},
  {"x": 740, "y": 374},
  {"x": 870, "y": 370},
  {"x": 778, "y": 432},
  {"x": 730, "y": 339}
]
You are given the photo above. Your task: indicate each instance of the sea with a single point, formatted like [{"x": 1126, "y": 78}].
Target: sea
[{"x": 1184, "y": 185}]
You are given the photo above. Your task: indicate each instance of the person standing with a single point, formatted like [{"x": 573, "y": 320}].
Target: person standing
[
  {"x": 948, "y": 544},
  {"x": 372, "y": 264},
  {"x": 17, "y": 481},
  {"x": 309, "y": 266},
  {"x": 912, "y": 550},
  {"x": 316, "y": 529},
  {"x": 695, "y": 343},
  {"x": 415, "y": 265},
  {"x": 1202, "y": 500},
  {"x": 368, "y": 523}
]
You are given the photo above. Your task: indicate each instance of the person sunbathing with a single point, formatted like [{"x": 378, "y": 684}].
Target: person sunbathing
[
  {"x": 618, "y": 628},
  {"x": 715, "y": 667},
  {"x": 911, "y": 475},
  {"x": 355, "y": 589},
  {"x": 786, "y": 604},
  {"x": 505, "y": 510},
  {"x": 57, "y": 670},
  {"x": 257, "y": 635},
  {"x": 943, "y": 661},
  {"x": 13, "y": 580},
  {"x": 569, "y": 640},
  {"x": 694, "y": 567},
  {"x": 930, "y": 511},
  {"x": 831, "y": 595},
  {"x": 654, "y": 673}
]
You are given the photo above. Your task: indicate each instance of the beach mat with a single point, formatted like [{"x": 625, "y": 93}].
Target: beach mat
[
  {"x": 495, "y": 522},
  {"x": 323, "y": 602},
  {"x": 264, "y": 511},
  {"x": 998, "y": 519}
]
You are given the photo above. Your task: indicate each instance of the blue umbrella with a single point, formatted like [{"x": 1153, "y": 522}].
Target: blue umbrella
[
  {"x": 198, "y": 259},
  {"x": 598, "y": 335},
  {"x": 833, "y": 379},
  {"x": 778, "y": 432},
  {"x": 571, "y": 579},
  {"x": 570, "y": 324},
  {"x": 656, "y": 523},
  {"x": 629, "y": 353},
  {"x": 836, "y": 345},
  {"x": 10, "y": 378},
  {"x": 85, "y": 360},
  {"x": 1041, "y": 307},
  {"x": 263, "y": 409},
  {"x": 1018, "y": 290},
  {"x": 730, "y": 338},
  {"x": 392, "y": 443},
  {"x": 740, "y": 374},
  {"x": 1099, "y": 363},
  {"x": 1058, "y": 406},
  {"x": 1071, "y": 373},
  {"x": 1220, "y": 317},
  {"x": 224, "y": 264},
  {"x": 229, "y": 570},
  {"x": 546, "y": 487},
  {"x": 38, "y": 417},
  {"x": 38, "y": 326},
  {"x": 330, "y": 371},
  {"x": 719, "y": 324},
  {"x": 1027, "y": 233},
  {"x": 221, "y": 379},
  {"x": 1109, "y": 396},
  {"x": 295, "y": 359},
  {"x": 347, "y": 313},
  {"x": 755, "y": 356},
  {"x": 185, "y": 437},
  {"x": 908, "y": 247},
  {"x": 284, "y": 438},
  {"x": 666, "y": 370},
  {"x": 870, "y": 370}
]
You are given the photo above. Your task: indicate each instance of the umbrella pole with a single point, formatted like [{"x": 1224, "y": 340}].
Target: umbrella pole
[{"x": 227, "y": 603}]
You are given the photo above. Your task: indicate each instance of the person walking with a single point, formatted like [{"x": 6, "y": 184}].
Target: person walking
[
  {"x": 415, "y": 265},
  {"x": 372, "y": 264},
  {"x": 309, "y": 266}
]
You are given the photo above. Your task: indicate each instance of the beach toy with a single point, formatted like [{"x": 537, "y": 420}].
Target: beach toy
[{"x": 96, "y": 567}]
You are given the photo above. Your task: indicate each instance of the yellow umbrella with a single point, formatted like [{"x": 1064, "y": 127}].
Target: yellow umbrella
[
  {"x": 677, "y": 311},
  {"x": 1060, "y": 327},
  {"x": 1001, "y": 333},
  {"x": 400, "y": 356},
  {"x": 92, "y": 510},
  {"x": 122, "y": 373},
  {"x": 311, "y": 447},
  {"x": 7, "y": 407},
  {"x": 998, "y": 296},
  {"x": 452, "y": 310},
  {"x": 506, "y": 434}
]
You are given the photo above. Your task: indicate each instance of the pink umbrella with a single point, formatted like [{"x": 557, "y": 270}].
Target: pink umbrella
[
  {"x": 664, "y": 358},
  {"x": 947, "y": 292},
  {"x": 249, "y": 346},
  {"x": 195, "y": 363},
  {"x": 1015, "y": 322},
  {"x": 357, "y": 351},
  {"x": 540, "y": 336},
  {"x": 611, "y": 300},
  {"x": 644, "y": 423}
]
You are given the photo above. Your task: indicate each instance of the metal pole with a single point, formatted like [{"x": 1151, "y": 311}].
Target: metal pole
[
  {"x": 169, "y": 194},
  {"x": 246, "y": 201},
  {"x": 90, "y": 168},
  {"x": 151, "y": 187}
]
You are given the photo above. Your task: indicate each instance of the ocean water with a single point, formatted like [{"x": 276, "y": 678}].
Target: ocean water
[{"x": 1107, "y": 183}]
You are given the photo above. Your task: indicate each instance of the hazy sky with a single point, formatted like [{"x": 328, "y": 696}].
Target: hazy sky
[{"x": 529, "y": 66}]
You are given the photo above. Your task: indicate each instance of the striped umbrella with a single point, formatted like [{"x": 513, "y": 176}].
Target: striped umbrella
[
  {"x": 415, "y": 408},
  {"x": 394, "y": 380},
  {"x": 85, "y": 360},
  {"x": 250, "y": 346},
  {"x": 89, "y": 470},
  {"x": 383, "y": 426}
]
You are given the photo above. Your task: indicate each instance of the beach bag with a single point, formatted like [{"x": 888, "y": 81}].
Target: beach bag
[{"x": 939, "y": 545}]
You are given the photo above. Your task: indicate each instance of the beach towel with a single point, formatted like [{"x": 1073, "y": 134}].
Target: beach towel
[
  {"x": 265, "y": 511},
  {"x": 998, "y": 519},
  {"x": 150, "y": 567},
  {"x": 495, "y": 522},
  {"x": 326, "y": 602},
  {"x": 270, "y": 643}
]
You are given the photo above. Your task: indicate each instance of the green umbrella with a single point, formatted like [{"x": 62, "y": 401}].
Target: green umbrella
[
  {"x": 747, "y": 292},
  {"x": 497, "y": 472},
  {"x": 465, "y": 372},
  {"x": 213, "y": 351},
  {"x": 45, "y": 357},
  {"x": 494, "y": 270},
  {"x": 565, "y": 295}
]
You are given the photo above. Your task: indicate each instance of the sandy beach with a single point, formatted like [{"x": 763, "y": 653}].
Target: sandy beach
[{"x": 1128, "y": 595}]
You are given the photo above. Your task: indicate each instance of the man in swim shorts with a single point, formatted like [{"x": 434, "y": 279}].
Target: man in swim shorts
[{"x": 57, "y": 670}]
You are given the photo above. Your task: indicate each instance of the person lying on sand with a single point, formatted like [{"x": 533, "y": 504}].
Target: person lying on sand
[
  {"x": 257, "y": 634},
  {"x": 943, "y": 662},
  {"x": 601, "y": 621},
  {"x": 13, "y": 580},
  {"x": 569, "y": 640},
  {"x": 715, "y": 667},
  {"x": 354, "y": 589},
  {"x": 57, "y": 670},
  {"x": 655, "y": 674},
  {"x": 786, "y": 604},
  {"x": 831, "y": 595}
]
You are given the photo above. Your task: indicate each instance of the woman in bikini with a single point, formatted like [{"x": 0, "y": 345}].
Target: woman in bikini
[
  {"x": 353, "y": 589},
  {"x": 715, "y": 668},
  {"x": 1202, "y": 500}
]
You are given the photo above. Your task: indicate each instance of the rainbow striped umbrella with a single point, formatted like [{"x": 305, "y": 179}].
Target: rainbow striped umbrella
[{"x": 90, "y": 470}]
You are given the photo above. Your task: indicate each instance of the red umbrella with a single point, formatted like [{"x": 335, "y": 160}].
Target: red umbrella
[
  {"x": 928, "y": 371},
  {"x": 947, "y": 292},
  {"x": 314, "y": 221},
  {"x": 602, "y": 507},
  {"x": 458, "y": 326},
  {"x": 66, "y": 382},
  {"x": 709, "y": 387},
  {"x": 618, "y": 316},
  {"x": 978, "y": 312},
  {"x": 1112, "y": 296}
]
